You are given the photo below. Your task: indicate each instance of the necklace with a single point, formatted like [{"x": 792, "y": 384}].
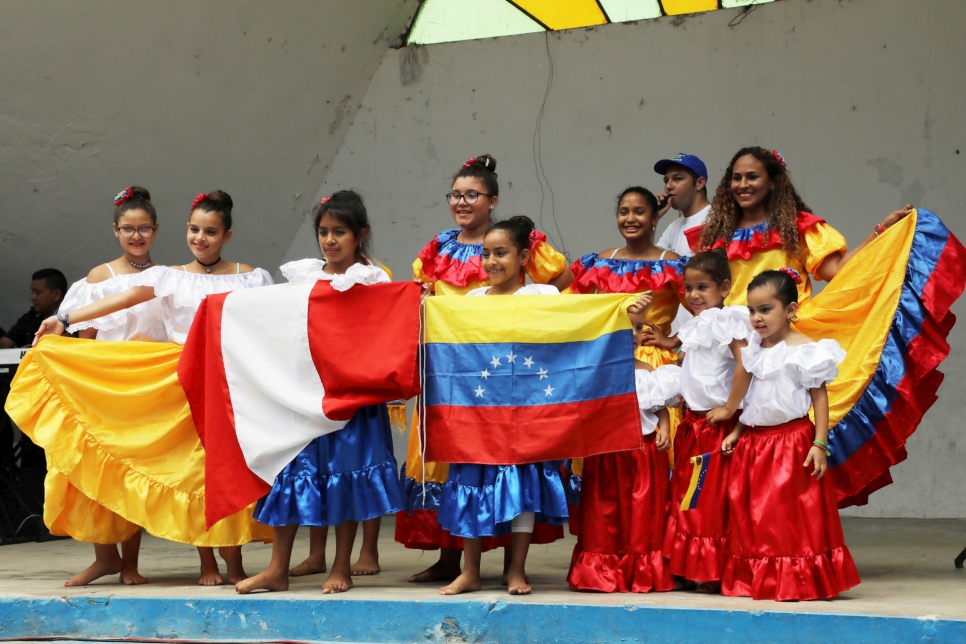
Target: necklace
[
  {"x": 207, "y": 266},
  {"x": 140, "y": 267}
]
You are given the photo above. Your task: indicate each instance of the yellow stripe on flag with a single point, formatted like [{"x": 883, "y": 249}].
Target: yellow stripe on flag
[
  {"x": 696, "y": 462},
  {"x": 532, "y": 319}
]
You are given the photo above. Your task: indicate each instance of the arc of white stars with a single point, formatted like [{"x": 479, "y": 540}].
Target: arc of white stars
[
  {"x": 485, "y": 374},
  {"x": 542, "y": 373},
  {"x": 511, "y": 357},
  {"x": 479, "y": 391},
  {"x": 495, "y": 362},
  {"x": 548, "y": 390},
  {"x": 528, "y": 362}
]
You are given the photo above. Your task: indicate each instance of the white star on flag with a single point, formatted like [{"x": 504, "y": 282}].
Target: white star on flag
[
  {"x": 495, "y": 361},
  {"x": 528, "y": 362},
  {"x": 485, "y": 374},
  {"x": 511, "y": 357},
  {"x": 479, "y": 392},
  {"x": 548, "y": 390},
  {"x": 542, "y": 373}
]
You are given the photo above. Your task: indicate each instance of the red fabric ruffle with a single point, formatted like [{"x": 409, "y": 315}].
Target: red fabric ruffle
[
  {"x": 623, "y": 504},
  {"x": 696, "y": 541},
  {"x": 745, "y": 249},
  {"x": 601, "y": 278},
  {"x": 449, "y": 269},
  {"x": 420, "y": 531},
  {"x": 785, "y": 535}
]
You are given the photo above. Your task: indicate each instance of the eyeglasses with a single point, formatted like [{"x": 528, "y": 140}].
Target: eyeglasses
[
  {"x": 470, "y": 197},
  {"x": 143, "y": 231}
]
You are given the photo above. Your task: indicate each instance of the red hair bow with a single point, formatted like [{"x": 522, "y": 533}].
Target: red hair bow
[
  {"x": 122, "y": 196},
  {"x": 198, "y": 200},
  {"x": 792, "y": 273},
  {"x": 470, "y": 162},
  {"x": 324, "y": 201},
  {"x": 780, "y": 158}
]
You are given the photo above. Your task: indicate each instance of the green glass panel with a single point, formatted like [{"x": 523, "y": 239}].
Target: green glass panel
[
  {"x": 624, "y": 10},
  {"x": 451, "y": 20}
]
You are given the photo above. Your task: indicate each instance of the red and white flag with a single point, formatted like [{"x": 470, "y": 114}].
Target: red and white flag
[{"x": 268, "y": 370}]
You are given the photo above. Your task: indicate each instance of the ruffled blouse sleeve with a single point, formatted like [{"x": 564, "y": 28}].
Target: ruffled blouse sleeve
[
  {"x": 818, "y": 241},
  {"x": 82, "y": 293},
  {"x": 545, "y": 262},
  {"x": 716, "y": 329},
  {"x": 303, "y": 270},
  {"x": 658, "y": 388},
  {"x": 815, "y": 363}
]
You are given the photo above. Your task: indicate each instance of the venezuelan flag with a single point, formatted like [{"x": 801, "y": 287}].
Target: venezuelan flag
[
  {"x": 522, "y": 379},
  {"x": 699, "y": 470}
]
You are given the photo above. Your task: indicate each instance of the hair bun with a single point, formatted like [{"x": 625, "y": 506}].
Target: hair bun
[
  {"x": 221, "y": 197},
  {"x": 137, "y": 192},
  {"x": 486, "y": 161}
]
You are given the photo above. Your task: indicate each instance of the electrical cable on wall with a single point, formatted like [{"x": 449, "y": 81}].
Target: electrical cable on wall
[{"x": 557, "y": 241}]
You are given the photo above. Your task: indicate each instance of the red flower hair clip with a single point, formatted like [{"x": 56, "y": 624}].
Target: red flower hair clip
[
  {"x": 792, "y": 273},
  {"x": 198, "y": 200},
  {"x": 470, "y": 162},
  {"x": 324, "y": 201},
  {"x": 779, "y": 158},
  {"x": 122, "y": 196}
]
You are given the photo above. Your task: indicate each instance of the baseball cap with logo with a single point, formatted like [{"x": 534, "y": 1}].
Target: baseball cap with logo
[{"x": 689, "y": 161}]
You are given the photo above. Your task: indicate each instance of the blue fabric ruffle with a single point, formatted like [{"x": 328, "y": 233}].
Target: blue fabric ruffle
[
  {"x": 482, "y": 500},
  {"x": 571, "y": 483},
  {"x": 348, "y": 475},
  {"x": 745, "y": 234},
  {"x": 413, "y": 493},
  {"x": 449, "y": 246},
  {"x": 632, "y": 266}
]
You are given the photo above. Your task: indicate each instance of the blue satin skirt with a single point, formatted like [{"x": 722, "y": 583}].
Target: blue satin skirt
[
  {"x": 348, "y": 475},
  {"x": 482, "y": 500}
]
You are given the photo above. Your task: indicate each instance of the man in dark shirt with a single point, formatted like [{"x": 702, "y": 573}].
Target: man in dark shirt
[{"x": 47, "y": 289}]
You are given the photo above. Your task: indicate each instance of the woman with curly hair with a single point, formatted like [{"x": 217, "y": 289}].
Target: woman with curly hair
[{"x": 763, "y": 224}]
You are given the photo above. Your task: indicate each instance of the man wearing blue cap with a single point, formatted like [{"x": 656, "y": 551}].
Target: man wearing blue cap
[{"x": 685, "y": 187}]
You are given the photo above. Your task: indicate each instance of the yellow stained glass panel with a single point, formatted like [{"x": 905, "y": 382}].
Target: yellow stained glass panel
[
  {"x": 564, "y": 14},
  {"x": 676, "y": 7}
]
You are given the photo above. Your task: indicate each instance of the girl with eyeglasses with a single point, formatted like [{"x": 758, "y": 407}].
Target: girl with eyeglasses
[
  {"x": 135, "y": 226},
  {"x": 451, "y": 265}
]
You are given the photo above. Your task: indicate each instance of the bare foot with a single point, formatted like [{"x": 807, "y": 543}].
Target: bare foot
[
  {"x": 519, "y": 584},
  {"x": 131, "y": 577},
  {"x": 311, "y": 566},
  {"x": 439, "y": 571},
  {"x": 233, "y": 560},
  {"x": 268, "y": 580},
  {"x": 366, "y": 565},
  {"x": 337, "y": 583},
  {"x": 95, "y": 571},
  {"x": 506, "y": 578},
  {"x": 463, "y": 584},
  {"x": 210, "y": 576}
]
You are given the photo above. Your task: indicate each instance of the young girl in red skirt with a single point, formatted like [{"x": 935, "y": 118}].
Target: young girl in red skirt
[
  {"x": 624, "y": 495},
  {"x": 695, "y": 541},
  {"x": 785, "y": 536}
]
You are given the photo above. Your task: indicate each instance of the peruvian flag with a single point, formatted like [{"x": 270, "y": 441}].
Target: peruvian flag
[{"x": 267, "y": 370}]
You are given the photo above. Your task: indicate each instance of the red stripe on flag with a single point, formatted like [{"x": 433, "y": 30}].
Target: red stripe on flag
[
  {"x": 229, "y": 485},
  {"x": 517, "y": 435},
  {"x": 364, "y": 343}
]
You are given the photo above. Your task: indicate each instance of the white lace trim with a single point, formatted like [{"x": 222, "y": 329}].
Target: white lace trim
[
  {"x": 658, "y": 388},
  {"x": 810, "y": 365},
  {"x": 716, "y": 329}
]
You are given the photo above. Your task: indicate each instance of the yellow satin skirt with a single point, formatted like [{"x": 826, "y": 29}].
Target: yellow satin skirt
[{"x": 122, "y": 449}]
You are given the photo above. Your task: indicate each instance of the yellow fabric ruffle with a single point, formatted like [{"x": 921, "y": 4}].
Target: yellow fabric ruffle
[
  {"x": 545, "y": 263},
  {"x": 818, "y": 242},
  {"x": 121, "y": 446}
]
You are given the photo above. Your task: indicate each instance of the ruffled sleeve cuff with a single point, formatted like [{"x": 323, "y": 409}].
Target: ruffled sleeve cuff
[
  {"x": 658, "y": 388},
  {"x": 545, "y": 262},
  {"x": 358, "y": 274},
  {"x": 82, "y": 293},
  {"x": 816, "y": 362},
  {"x": 716, "y": 329},
  {"x": 819, "y": 240},
  {"x": 303, "y": 270}
]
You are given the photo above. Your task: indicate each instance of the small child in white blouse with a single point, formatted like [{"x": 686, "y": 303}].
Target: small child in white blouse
[
  {"x": 785, "y": 535},
  {"x": 713, "y": 385}
]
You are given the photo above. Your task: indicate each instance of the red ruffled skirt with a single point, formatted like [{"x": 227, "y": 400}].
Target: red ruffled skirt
[
  {"x": 696, "y": 541},
  {"x": 623, "y": 504},
  {"x": 785, "y": 534},
  {"x": 421, "y": 531}
]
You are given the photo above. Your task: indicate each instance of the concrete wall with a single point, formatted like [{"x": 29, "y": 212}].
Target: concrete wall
[
  {"x": 181, "y": 97},
  {"x": 864, "y": 98}
]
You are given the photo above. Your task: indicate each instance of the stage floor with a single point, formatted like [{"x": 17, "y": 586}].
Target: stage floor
[{"x": 906, "y": 567}]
